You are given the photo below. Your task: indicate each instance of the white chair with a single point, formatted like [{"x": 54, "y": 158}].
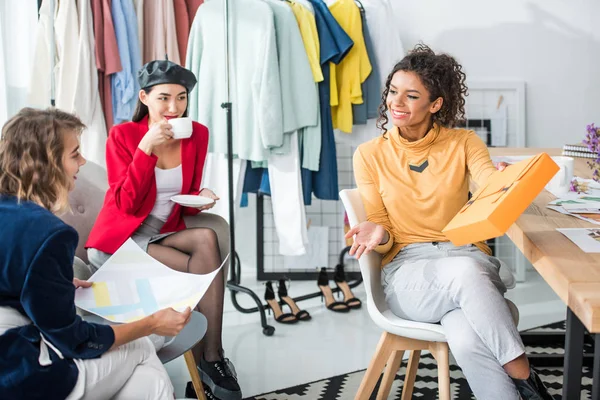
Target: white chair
[{"x": 399, "y": 335}]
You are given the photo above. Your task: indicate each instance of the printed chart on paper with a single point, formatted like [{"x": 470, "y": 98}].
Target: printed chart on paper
[{"x": 132, "y": 285}]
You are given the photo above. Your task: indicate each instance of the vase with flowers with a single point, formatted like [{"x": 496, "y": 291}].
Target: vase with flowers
[{"x": 592, "y": 141}]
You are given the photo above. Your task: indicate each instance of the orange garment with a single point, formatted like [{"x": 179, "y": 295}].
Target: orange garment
[
  {"x": 182, "y": 26},
  {"x": 192, "y": 7},
  {"x": 415, "y": 206}
]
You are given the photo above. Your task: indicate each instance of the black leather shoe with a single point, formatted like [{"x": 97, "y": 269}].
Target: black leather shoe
[
  {"x": 220, "y": 378},
  {"x": 532, "y": 388},
  {"x": 190, "y": 393}
]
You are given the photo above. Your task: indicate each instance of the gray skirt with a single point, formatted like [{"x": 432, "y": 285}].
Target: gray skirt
[{"x": 148, "y": 232}]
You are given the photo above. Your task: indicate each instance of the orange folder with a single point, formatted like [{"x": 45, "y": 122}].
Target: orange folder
[{"x": 496, "y": 205}]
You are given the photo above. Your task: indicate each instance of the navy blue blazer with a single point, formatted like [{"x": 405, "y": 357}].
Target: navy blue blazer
[{"x": 36, "y": 278}]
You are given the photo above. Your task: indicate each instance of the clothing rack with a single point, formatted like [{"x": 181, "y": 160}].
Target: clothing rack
[{"x": 234, "y": 283}]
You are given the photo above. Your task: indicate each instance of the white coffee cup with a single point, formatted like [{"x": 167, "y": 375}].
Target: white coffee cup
[
  {"x": 181, "y": 127},
  {"x": 561, "y": 182}
]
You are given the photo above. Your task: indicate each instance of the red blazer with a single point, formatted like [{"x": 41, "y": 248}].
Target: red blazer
[{"x": 132, "y": 191}]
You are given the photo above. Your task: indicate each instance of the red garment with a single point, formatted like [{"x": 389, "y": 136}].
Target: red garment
[
  {"x": 132, "y": 185},
  {"x": 183, "y": 28},
  {"x": 192, "y": 7},
  {"x": 108, "y": 60}
]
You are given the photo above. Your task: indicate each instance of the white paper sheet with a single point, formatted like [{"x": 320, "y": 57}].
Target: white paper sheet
[
  {"x": 132, "y": 285},
  {"x": 588, "y": 239}
]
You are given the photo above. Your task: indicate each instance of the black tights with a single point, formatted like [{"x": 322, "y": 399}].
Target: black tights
[{"x": 196, "y": 250}]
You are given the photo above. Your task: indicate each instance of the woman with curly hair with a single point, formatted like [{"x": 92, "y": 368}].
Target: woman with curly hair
[
  {"x": 413, "y": 180},
  {"x": 46, "y": 350}
]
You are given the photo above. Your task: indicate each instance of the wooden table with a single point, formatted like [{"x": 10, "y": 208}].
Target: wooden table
[{"x": 571, "y": 273}]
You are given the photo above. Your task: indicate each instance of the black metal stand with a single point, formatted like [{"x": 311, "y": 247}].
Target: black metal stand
[
  {"x": 235, "y": 270},
  {"x": 262, "y": 275}
]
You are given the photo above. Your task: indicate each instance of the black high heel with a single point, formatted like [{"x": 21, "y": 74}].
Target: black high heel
[
  {"x": 301, "y": 315},
  {"x": 272, "y": 304},
  {"x": 330, "y": 303},
  {"x": 340, "y": 280}
]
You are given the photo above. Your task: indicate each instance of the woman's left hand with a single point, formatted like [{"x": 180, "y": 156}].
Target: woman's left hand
[
  {"x": 79, "y": 283},
  {"x": 211, "y": 195},
  {"x": 501, "y": 166}
]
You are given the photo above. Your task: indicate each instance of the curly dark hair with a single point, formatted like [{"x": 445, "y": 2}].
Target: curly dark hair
[{"x": 443, "y": 77}]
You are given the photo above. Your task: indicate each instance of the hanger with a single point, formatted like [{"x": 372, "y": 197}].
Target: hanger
[{"x": 362, "y": 9}]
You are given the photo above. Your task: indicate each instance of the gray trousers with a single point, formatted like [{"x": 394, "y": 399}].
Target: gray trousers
[{"x": 459, "y": 287}]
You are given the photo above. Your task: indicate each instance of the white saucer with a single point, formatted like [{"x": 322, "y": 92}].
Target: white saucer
[{"x": 190, "y": 200}]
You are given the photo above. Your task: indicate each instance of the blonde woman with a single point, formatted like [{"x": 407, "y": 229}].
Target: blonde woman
[{"x": 46, "y": 350}]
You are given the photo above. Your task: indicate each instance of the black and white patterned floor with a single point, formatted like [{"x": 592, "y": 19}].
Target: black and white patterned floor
[{"x": 345, "y": 386}]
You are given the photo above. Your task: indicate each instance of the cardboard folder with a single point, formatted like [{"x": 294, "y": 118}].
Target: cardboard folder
[{"x": 501, "y": 200}]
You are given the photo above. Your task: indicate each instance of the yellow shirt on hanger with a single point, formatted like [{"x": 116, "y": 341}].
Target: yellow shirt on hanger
[
  {"x": 355, "y": 67},
  {"x": 310, "y": 37}
]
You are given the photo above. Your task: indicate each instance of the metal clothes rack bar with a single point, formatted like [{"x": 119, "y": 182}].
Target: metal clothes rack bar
[{"x": 235, "y": 269}]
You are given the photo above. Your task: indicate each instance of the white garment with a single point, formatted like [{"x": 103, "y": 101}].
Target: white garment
[
  {"x": 215, "y": 178},
  {"x": 18, "y": 20},
  {"x": 66, "y": 35},
  {"x": 131, "y": 371},
  {"x": 385, "y": 36},
  {"x": 139, "y": 13},
  {"x": 254, "y": 79},
  {"x": 86, "y": 99},
  {"x": 3, "y": 83},
  {"x": 168, "y": 184},
  {"x": 287, "y": 200},
  {"x": 76, "y": 78},
  {"x": 42, "y": 71}
]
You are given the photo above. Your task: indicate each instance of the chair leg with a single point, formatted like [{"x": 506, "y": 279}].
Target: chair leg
[
  {"x": 382, "y": 353},
  {"x": 411, "y": 373},
  {"x": 193, "y": 370},
  {"x": 439, "y": 351},
  {"x": 391, "y": 368}
]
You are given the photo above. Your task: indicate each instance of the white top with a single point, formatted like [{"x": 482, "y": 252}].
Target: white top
[{"x": 168, "y": 184}]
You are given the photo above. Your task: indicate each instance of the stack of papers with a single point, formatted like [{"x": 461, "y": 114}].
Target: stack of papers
[{"x": 585, "y": 206}]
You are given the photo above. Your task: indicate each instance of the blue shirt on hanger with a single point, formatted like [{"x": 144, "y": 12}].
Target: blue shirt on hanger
[
  {"x": 124, "y": 83},
  {"x": 335, "y": 44},
  {"x": 371, "y": 86}
]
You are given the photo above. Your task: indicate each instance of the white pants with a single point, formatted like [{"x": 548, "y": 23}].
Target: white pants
[
  {"x": 130, "y": 372},
  {"x": 459, "y": 287},
  {"x": 288, "y": 200}
]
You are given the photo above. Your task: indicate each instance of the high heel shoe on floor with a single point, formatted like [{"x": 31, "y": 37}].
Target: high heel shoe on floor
[
  {"x": 301, "y": 315},
  {"x": 286, "y": 318},
  {"x": 340, "y": 280},
  {"x": 330, "y": 303}
]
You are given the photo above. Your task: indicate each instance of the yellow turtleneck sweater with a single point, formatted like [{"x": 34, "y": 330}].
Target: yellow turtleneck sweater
[{"x": 413, "y": 189}]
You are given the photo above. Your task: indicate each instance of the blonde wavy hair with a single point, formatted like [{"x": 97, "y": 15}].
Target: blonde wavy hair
[{"x": 31, "y": 157}]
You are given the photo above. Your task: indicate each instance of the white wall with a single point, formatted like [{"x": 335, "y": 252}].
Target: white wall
[{"x": 553, "y": 45}]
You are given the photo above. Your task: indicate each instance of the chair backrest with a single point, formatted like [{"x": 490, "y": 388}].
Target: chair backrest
[
  {"x": 86, "y": 201},
  {"x": 370, "y": 264}
]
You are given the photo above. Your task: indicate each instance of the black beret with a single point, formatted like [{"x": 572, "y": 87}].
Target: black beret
[{"x": 164, "y": 71}]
